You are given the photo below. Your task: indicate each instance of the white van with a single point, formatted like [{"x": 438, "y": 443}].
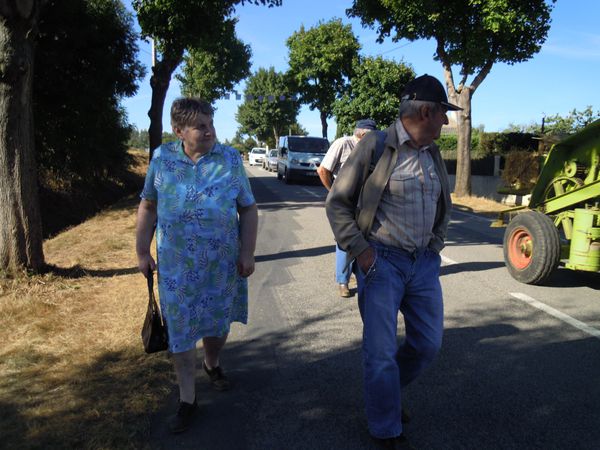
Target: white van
[{"x": 299, "y": 156}]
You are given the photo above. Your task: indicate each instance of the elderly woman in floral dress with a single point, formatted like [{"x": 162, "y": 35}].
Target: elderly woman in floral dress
[{"x": 197, "y": 195}]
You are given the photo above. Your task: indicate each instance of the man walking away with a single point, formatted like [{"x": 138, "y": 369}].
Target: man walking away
[{"x": 330, "y": 166}]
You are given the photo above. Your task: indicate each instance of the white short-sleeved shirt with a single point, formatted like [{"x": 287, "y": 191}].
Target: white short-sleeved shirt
[{"x": 338, "y": 153}]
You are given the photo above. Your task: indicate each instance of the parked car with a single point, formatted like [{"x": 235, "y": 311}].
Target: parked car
[
  {"x": 299, "y": 156},
  {"x": 256, "y": 156},
  {"x": 270, "y": 162}
]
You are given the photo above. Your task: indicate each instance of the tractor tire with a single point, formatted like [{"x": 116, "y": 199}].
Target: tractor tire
[{"x": 531, "y": 247}]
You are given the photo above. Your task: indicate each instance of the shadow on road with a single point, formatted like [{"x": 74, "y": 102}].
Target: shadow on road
[
  {"x": 493, "y": 386},
  {"x": 301, "y": 253},
  {"x": 469, "y": 267}
]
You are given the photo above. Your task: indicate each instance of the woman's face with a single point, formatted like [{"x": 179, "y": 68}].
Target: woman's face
[{"x": 199, "y": 137}]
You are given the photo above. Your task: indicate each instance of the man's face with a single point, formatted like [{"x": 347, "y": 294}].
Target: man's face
[
  {"x": 199, "y": 137},
  {"x": 437, "y": 118}
]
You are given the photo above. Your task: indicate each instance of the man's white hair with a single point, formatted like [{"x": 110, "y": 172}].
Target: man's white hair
[
  {"x": 411, "y": 108},
  {"x": 359, "y": 132}
]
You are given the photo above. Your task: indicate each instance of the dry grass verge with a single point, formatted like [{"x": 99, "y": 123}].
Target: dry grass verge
[
  {"x": 479, "y": 205},
  {"x": 72, "y": 370}
]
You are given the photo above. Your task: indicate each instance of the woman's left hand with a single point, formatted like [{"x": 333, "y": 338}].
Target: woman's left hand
[{"x": 245, "y": 265}]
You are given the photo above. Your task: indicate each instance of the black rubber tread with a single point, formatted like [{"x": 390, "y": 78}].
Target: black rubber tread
[
  {"x": 286, "y": 176},
  {"x": 279, "y": 176},
  {"x": 545, "y": 250}
]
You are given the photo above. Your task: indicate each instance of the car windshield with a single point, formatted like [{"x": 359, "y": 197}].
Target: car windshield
[
  {"x": 308, "y": 144},
  {"x": 273, "y": 153},
  {"x": 259, "y": 150}
]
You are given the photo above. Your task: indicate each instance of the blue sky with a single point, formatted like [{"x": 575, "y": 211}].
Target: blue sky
[{"x": 563, "y": 76}]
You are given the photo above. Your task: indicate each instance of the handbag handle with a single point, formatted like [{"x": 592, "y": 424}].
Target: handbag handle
[
  {"x": 150, "y": 280},
  {"x": 151, "y": 297}
]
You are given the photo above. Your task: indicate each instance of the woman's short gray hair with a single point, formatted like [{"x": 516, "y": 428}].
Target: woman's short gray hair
[
  {"x": 185, "y": 111},
  {"x": 411, "y": 108}
]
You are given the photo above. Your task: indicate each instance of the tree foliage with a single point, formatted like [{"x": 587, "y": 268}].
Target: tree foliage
[
  {"x": 210, "y": 72},
  {"x": 268, "y": 110},
  {"x": 375, "y": 90},
  {"x": 557, "y": 124},
  {"x": 321, "y": 63},
  {"x": 177, "y": 27},
  {"x": 242, "y": 142},
  {"x": 471, "y": 36},
  {"x": 86, "y": 63}
]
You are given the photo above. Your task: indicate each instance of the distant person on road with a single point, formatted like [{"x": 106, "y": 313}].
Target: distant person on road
[
  {"x": 330, "y": 166},
  {"x": 198, "y": 196},
  {"x": 389, "y": 208}
]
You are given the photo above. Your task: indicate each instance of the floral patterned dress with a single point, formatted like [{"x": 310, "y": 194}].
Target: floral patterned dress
[{"x": 197, "y": 239}]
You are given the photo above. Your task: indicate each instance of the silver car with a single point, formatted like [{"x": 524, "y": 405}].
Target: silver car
[{"x": 270, "y": 162}]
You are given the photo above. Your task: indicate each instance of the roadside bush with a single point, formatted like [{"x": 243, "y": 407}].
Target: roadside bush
[
  {"x": 85, "y": 64},
  {"x": 502, "y": 143},
  {"x": 521, "y": 170}
]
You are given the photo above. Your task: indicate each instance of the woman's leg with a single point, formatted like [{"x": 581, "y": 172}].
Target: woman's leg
[
  {"x": 212, "y": 348},
  {"x": 185, "y": 369}
]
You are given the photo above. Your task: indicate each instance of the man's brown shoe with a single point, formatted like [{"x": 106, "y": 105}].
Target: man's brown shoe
[{"x": 344, "y": 291}]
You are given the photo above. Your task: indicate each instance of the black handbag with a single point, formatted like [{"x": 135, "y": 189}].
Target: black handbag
[{"x": 154, "y": 332}]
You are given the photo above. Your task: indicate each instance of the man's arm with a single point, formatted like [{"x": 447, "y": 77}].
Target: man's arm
[
  {"x": 342, "y": 201},
  {"x": 330, "y": 162},
  {"x": 326, "y": 177},
  {"x": 146, "y": 218},
  {"x": 248, "y": 230}
]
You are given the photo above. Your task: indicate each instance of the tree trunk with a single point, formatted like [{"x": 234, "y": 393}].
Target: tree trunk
[
  {"x": 159, "y": 82},
  {"x": 462, "y": 186},
  {"x": 324, "y": 123},
  {"x": 20, "y": 221},
  {"x": 276, "y": 136}
]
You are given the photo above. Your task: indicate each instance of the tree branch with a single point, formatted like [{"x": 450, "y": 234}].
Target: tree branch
[
  {"x": 441, "y": 52},
  {"x": 482, "y": 73}
]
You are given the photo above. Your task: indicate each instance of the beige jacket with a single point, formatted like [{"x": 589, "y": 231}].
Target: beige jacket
[{"x": 354, "y": 197}]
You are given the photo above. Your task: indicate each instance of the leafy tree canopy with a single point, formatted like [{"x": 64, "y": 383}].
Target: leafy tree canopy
[
  {"x": 176, "y": 27},
  {"x": 375, "y": 90},
  {"x": 470, "y": 35},
  {"x": 85, "y": 64},
  {"x": 268, "y": 109},
  {"x": 321, "y": 62},
  {"x": 210, "y": 72}
]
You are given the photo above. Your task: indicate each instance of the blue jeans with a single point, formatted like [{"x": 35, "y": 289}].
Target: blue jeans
[
  {"x": 343, "y": 268},
  {"x": 409, "y": 283}
]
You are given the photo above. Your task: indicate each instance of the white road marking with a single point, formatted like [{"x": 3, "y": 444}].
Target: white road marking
[
  {"x": 556, "y": 313},
  {"x": 313, "y": 193},
  {"x": 447, "y": 261}
]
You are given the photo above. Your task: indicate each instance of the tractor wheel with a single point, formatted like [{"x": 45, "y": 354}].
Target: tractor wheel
[{"x": 531, "y": 247}]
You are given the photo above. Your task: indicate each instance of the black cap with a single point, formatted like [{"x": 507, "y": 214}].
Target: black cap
[
  {"x": 366, "y": 124},
  {"x": 428, "y": 89}
]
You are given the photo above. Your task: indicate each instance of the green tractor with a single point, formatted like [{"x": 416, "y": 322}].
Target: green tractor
[{"x": 562, "y": 220}]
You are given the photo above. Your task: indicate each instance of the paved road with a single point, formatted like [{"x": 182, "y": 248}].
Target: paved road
[{"x": 519, "y": 368}]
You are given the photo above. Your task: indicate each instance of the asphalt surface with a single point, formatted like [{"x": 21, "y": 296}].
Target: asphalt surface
[{"x": 519, "y": 367}]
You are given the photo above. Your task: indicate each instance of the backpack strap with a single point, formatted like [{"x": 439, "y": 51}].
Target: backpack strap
[{"x": 379, "y": 147}]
